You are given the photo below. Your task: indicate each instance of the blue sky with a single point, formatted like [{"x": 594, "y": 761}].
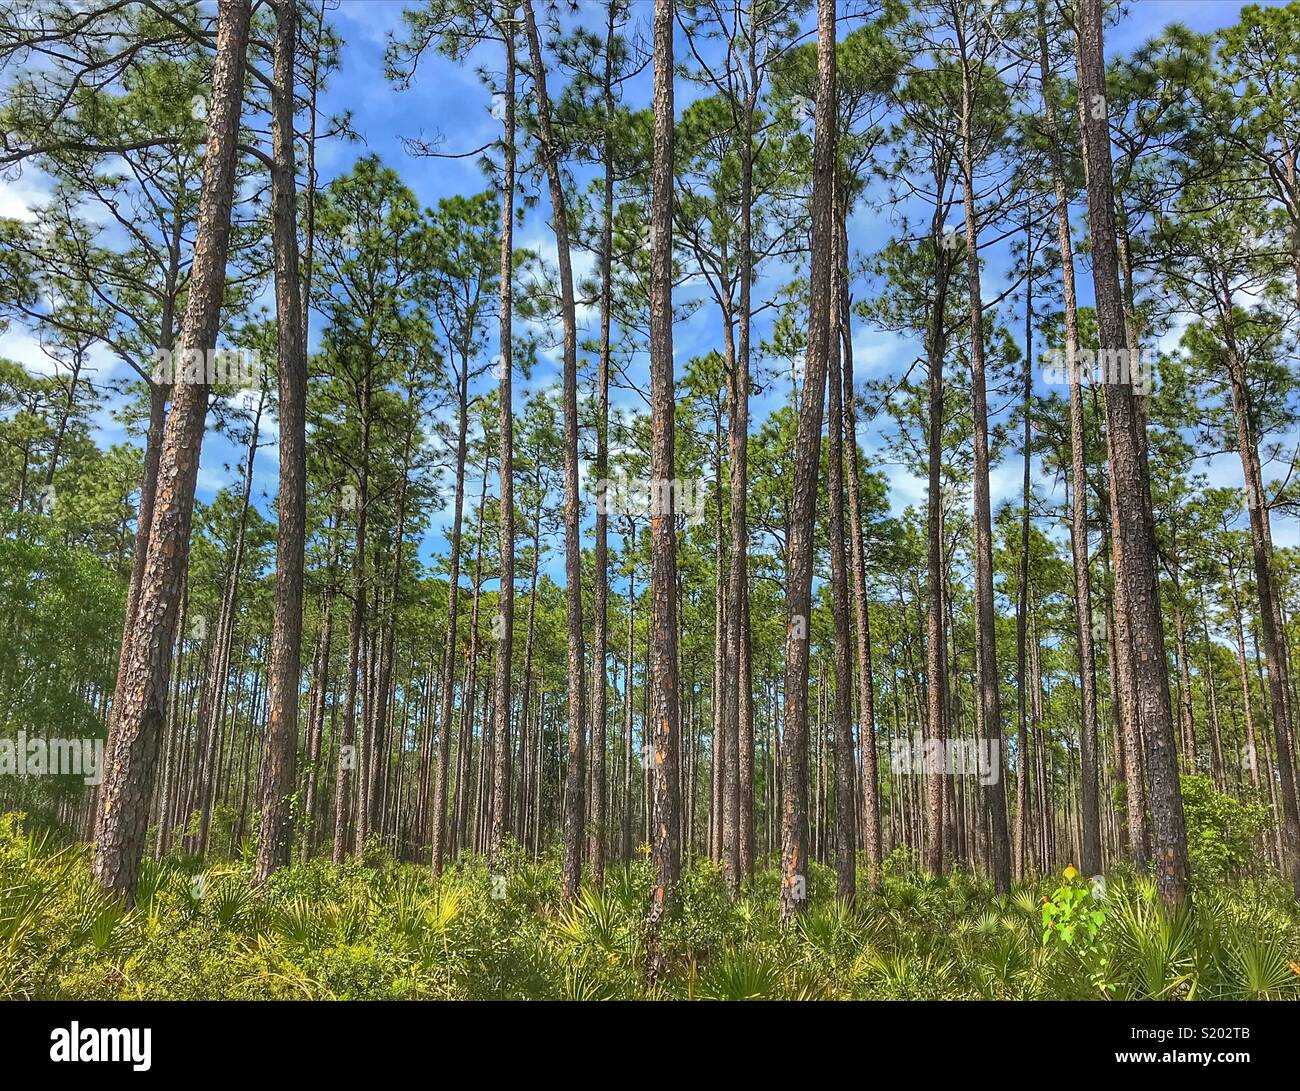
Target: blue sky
[{"x": 450, "y": 100}]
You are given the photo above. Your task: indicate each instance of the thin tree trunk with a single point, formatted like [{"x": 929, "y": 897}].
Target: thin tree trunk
[
  {"x": 281, "y": 746},
  {"x": 936, "y": 644},
  {"x": 1022, "y": 580},
  {"x": 1261, "y": 540},
  {"x": 573, "y": 797},
  {"x": 505, "y": 468},
  {"x": 600, "y": 637},
  {"x": 441, "y": 772},
  {"x": 861, "y": 610},
  {"x": 985, "y": 616},
  {"x": 846, "y": 775},
  {"x": 1090, "y": 858},
  {"x": 663, "y": 724},
  {"x": 799, "y": 550},
  {"x": 348, "y": 749},
  {"x": 628, "y": 802}
]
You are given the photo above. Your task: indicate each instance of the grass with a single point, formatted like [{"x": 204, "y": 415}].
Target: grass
[{"x": 384, "y": 930}]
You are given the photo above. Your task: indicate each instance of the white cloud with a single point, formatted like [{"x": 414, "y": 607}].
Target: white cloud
[{"x": 18, "y": 196}]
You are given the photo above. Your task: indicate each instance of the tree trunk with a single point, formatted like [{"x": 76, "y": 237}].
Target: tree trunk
[
  {"x": 936, "y": 677},
  {"x": 1261, "y": 540},
  {"x": 799, "y": 550},
  {"x": 505, "y": 630},
  {"x": 862, "y": 617},
  {"x": 281, "y": 746},
  {"x": 985, "y": 617},
  {"x": 628, "y": 804},
  {"x": 1090, "y": 858},
  {"x": 600, "y": 637},
  {"x": 441, "y": 772},
  {"x": 1022, "y": 594},
  {"x": 663, "y": 726},
  {"x": 139, "y": 710},
  {"x": 573, "y": 796},
  {"x": 1131, "y": 491},
  {"x": 846, "y": 775}
]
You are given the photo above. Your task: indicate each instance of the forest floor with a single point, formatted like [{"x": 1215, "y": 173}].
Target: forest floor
[{"x": 387, "y": 930}]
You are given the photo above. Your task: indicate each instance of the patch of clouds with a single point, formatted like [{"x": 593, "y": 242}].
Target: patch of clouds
[
  {"x": 20, "y": 195},
  {"x": 24, "y": 346},
  {"x": 877, "y": 353},
  {"x": 906, "y": 489}
]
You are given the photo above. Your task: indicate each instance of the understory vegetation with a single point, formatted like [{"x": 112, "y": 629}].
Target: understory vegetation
[{"x": 375, "y": 929}]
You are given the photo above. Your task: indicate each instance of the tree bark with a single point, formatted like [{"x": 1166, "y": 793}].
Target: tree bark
[
  {"x": 573, "y": 796},
  {"x": 1090, "y": 858},
  {"x": 871, "y": 838},
  {"x": 281, "y": 746},
  {"x": 936, "y": 642},
  {"x": 799, "y": 550},
  {"x": 140, "y": 707},
  {"x": 505, "y": 466},
  {"x": 1022, "y": 579},
  {"x": 846, "y": 840},
  {"x": 441, "y": 772},
  {"x": 988, "y": 679},
  {"x": 664, "y": 724},
  {"x": 1261, "y": 541},
  {"x": 1131, "y": 491},
  {"x": 600, "y": 637}
]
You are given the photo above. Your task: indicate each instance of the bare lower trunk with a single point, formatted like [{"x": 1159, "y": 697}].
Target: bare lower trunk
[
  {"x": 987, "y": 678},
  {"x": 871, "y": 839},
  {"x": 574, "y": 809},
  {"x": 600, "y": 636},
  {"x": 1022, "y": 595},
  {"x": 936, "y": 675}
]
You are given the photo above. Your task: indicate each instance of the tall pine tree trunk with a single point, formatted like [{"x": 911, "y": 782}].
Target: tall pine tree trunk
[
  {"x": 936, "y": 673},
  {"x": 140, "y": 704},
  {"x": 1261, "y": 541},
  {"x": 600, "y": 637},
  {"x": 1090, "y": 858},
  {"x": 990, "y": 703},
  {"x": 441, "y": 773},
  {"x": 1132, "y": 497},
  {"x": 1022, "y": 578},
  {"x": 574, "y": 809},
  {"x": 281, "y": 746},
  {"x": 664, "y": 721},
  {"x": 505, "y": 467},
  {"x": 801, "y": 534},
  {"x": 846, "y": 840}
]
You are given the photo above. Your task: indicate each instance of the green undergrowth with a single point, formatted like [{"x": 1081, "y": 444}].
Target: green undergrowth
[{"x": 384, "y": 930}]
